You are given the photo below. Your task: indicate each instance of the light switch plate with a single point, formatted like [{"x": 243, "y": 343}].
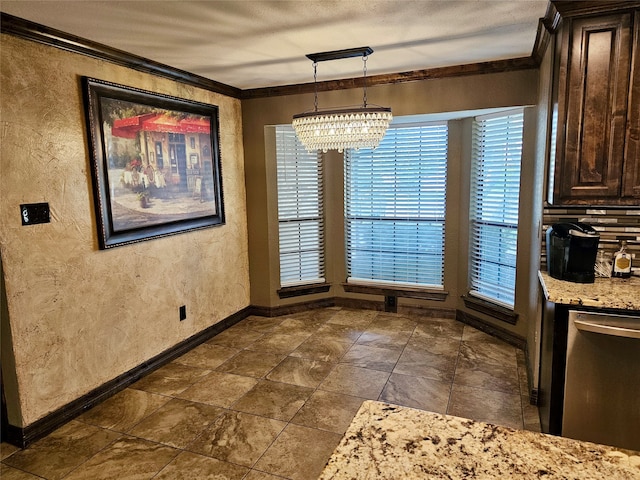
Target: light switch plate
[{"x": 33, "y": 213}]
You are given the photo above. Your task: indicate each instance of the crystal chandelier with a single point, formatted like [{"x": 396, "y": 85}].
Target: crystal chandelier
[{"x": 337, "y": 129}]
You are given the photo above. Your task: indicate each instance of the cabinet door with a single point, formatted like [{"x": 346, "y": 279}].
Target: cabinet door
[
  {"x": 631, "y": 178},
  {"x": 597, "y": 65}
]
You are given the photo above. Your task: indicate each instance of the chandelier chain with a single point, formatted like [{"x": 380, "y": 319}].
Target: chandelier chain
[
  {"x": 315, "y": 86},
  {"x": 364, "y": 75}
]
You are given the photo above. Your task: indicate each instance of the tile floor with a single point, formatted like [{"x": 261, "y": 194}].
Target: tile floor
[{"x": 270, "y": 398}]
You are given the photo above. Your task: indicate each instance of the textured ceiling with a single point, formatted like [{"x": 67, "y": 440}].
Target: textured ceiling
[{"x": 251, "y": 44}]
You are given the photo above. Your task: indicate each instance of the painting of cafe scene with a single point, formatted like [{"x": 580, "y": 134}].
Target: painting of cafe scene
[{"x": 155, "y": 163}]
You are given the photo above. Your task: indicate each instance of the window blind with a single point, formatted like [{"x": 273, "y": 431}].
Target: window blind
[
  {"x": 495, "y": 192},
  {"x": 395, "y": 207},
  {"x": 300, "y": 210}
]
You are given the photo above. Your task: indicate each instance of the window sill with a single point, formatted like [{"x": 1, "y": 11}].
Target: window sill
[
  {"x": 299, "y": 290},
  {"x": 496, "y": 311},
  {"x": 419, "y": 293}
]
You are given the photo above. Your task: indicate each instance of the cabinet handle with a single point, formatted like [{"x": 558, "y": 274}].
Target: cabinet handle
[{"x": 607, "y": 329}]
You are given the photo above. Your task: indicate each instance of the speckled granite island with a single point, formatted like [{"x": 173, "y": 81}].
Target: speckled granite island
[{"x": 391, "y": 442}]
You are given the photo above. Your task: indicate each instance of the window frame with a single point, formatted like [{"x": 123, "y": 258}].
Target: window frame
[
  {"x": 292, "y": 212},
  {"x": 484, "y": 300},
  {"x": 356, "y": 282}
]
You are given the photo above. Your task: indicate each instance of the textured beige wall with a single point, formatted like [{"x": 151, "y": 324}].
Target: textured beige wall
[{"x": 80, "y": 316}]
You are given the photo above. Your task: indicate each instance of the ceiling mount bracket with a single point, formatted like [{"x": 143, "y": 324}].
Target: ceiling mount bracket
[{"x": 338, "y": 54}]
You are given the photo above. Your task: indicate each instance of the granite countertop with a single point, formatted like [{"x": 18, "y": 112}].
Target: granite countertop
[
  {"x": 620, "y": 293},
  {"x": 391, "y": 442}
]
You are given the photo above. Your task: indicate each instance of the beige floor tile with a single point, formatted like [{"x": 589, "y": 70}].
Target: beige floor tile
[
  {"x": 328, "y": 411},
  {"x": 355, "y": 381},
  {"x": 280, "y": 401},
  {"x": 439, "y": 327},
  {"x": 318, "y": 347},
  {"x": 339, "y": 332},
  {"x": 523, "y": 376},
  {"x": 353, "y": 318},
  {"x": 299, "y": 453},
  {"x": 438, "y": 345},
  {"x": 7, "y": 449},
  {"x": 251, "y": 363},
  {"x": 530, "y": 415},
  {"x": 419, "y": 362},
  {"x": 521, "y": 359},
  {"x": 393, "y": 322},
  {"x": 10, "y": 473},
  {"x": 190, "y": 466},
  {"x": 218, "y": 388},
  {"x": 207, "y": 356},
  {"x": 260, "y": 324},
  {"x": 236, "y": 338},
  {"x": 298, "y": 325},
  {"x": 238, "y": 438},
  {"x": 171, "y": 379},
  {"x": 384, "y": 338},
  {"x": 489, "y": 352},
  {"x": 375, "y": 358},
  {"x": 129, "y": 457},
  {"x": 317, "y": 315},
  {"x": 423, "y": 393},
  {"x": 177, "y": 423},
  {"x": 279, "y": 343},
  {"x": 258, "y": 475},
  {"x": 486, "y": 406},
  {"x": 124, "y": 410},
  {"x": 60, "y": 452},
  {"x": 471, "y": 334},
  {"x": 301, "y": 371},
  {"x": 482, "y": 374}
]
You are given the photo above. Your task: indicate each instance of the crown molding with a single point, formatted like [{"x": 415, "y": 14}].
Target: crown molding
[
  {"x": 25, "y": 29},
  {"x": 496, "y": 66}
]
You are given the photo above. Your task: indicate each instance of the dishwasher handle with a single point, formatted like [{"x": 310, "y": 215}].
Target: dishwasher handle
[{"x": 607, "y": 329}]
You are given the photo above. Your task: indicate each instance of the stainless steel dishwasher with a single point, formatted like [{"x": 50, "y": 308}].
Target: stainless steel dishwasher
[{"x": 602, "y": 379}]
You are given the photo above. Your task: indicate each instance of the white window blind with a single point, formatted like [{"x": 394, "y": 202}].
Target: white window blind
[
  {"x": 495, "y": 191},
  {"x": 395, "y": 207},
  {"x": 300, "y": 210}
]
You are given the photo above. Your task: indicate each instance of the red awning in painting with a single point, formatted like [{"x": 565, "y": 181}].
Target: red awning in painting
[
  {"x": 151, "y": 122},
  {"x": 195, "y": 125},
  {"x": 129, "y": 127}
]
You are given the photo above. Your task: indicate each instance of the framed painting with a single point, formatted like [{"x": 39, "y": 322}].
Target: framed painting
[{"x": 155, "y": 163}]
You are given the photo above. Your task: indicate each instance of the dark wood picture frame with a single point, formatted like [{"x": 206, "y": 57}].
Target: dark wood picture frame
[{"x": 155, "y": 163}]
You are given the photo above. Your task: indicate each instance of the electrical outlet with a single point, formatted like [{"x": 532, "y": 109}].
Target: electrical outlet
[
  {"x": 390, "y": 304},
  {"x": 183, "y": 312}
]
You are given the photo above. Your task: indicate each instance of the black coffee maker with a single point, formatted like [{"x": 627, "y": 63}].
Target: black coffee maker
[{"x": 571, "y": 252}]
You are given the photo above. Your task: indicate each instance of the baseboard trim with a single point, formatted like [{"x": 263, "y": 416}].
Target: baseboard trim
[
  {"x": 476, "y": 322},
  {"x": 353, "y": 303},
  {"x": 496, "y": 311},
  {"x": 24, "y": 436},
  {"x": 289, "y": 309}
]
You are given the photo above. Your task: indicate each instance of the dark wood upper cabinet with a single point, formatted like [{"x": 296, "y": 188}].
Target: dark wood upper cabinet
[
  {"x": 631, "y": 174},
  {"x": 598, "y": 145}
]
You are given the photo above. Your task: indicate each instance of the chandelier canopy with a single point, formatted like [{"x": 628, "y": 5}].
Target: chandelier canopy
[{"x": 340, "y": 128}]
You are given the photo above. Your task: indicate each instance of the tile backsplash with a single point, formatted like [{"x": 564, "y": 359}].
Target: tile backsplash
[{"x": 613, "y": 225}]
